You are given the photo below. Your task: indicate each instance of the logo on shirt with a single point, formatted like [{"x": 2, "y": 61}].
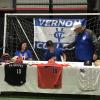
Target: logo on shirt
[
  {"x": 24, "y": 56},
  {"x": 84, "y": 37}
]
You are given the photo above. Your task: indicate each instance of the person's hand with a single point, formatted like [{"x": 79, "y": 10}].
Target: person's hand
[
  {"x": 17, "y": 59},
  {"x": 14, "y": 58},
  {"x": 54, "y": 58},
  {"x": 94, "y": 56},
  {"x": 51, "y": 61}
]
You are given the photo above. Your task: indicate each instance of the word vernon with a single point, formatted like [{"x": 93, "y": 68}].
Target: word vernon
[{"x": 56, "y": 22}]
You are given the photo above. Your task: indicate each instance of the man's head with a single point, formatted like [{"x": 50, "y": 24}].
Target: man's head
[
  {"x": 50, "y": 45},
  {"x": 77, "y": 27}
]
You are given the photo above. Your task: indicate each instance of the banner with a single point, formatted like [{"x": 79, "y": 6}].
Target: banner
[{"x": 57, "y": 30}]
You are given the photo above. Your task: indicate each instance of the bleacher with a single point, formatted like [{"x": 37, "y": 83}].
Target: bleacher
[
  {"x": 63, "y": 6},
  {"x": 54, "y": 5}
]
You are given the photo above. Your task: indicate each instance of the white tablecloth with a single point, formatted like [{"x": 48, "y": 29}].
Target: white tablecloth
[{"x": 77, "y": 79}]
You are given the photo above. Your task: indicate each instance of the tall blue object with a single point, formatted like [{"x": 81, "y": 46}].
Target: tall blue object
[{"x": 84, "y": 47}]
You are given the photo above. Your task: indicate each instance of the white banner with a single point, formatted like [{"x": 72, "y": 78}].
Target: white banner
[{"x": 57, "y": 30}]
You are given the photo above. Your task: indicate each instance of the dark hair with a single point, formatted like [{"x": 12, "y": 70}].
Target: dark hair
[
  {"x": 49, "y": 43},
  {"x": 20, "y": 45}
]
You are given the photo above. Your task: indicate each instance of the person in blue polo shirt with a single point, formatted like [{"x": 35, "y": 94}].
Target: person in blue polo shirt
[
  {"x": 23, "y": 51},
  {"x": 53, "y": 53},
  {"x": 85, "y": 43}
]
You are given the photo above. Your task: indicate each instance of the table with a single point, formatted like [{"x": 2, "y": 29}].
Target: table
[{"x": 74, "y": 80}]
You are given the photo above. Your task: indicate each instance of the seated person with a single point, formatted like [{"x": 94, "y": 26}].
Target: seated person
[
  {"x": 53, "y": 53},
  {"x": 24, "y": 52}
]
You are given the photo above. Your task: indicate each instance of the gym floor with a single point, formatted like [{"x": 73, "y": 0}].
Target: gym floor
[{"x": 38, "y": 96}]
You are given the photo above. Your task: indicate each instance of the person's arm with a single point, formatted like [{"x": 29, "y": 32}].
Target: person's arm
[
  {"x": 70, "y": 45},
  {"x": 63, "y": 57},
  {"x": 94, "y": 42},
  {"x": 29, "y": 55},
  {"x": 45, "y": 56},
  {"x": 98, "y": 48},
  {"x": 16, "y": 53}
]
